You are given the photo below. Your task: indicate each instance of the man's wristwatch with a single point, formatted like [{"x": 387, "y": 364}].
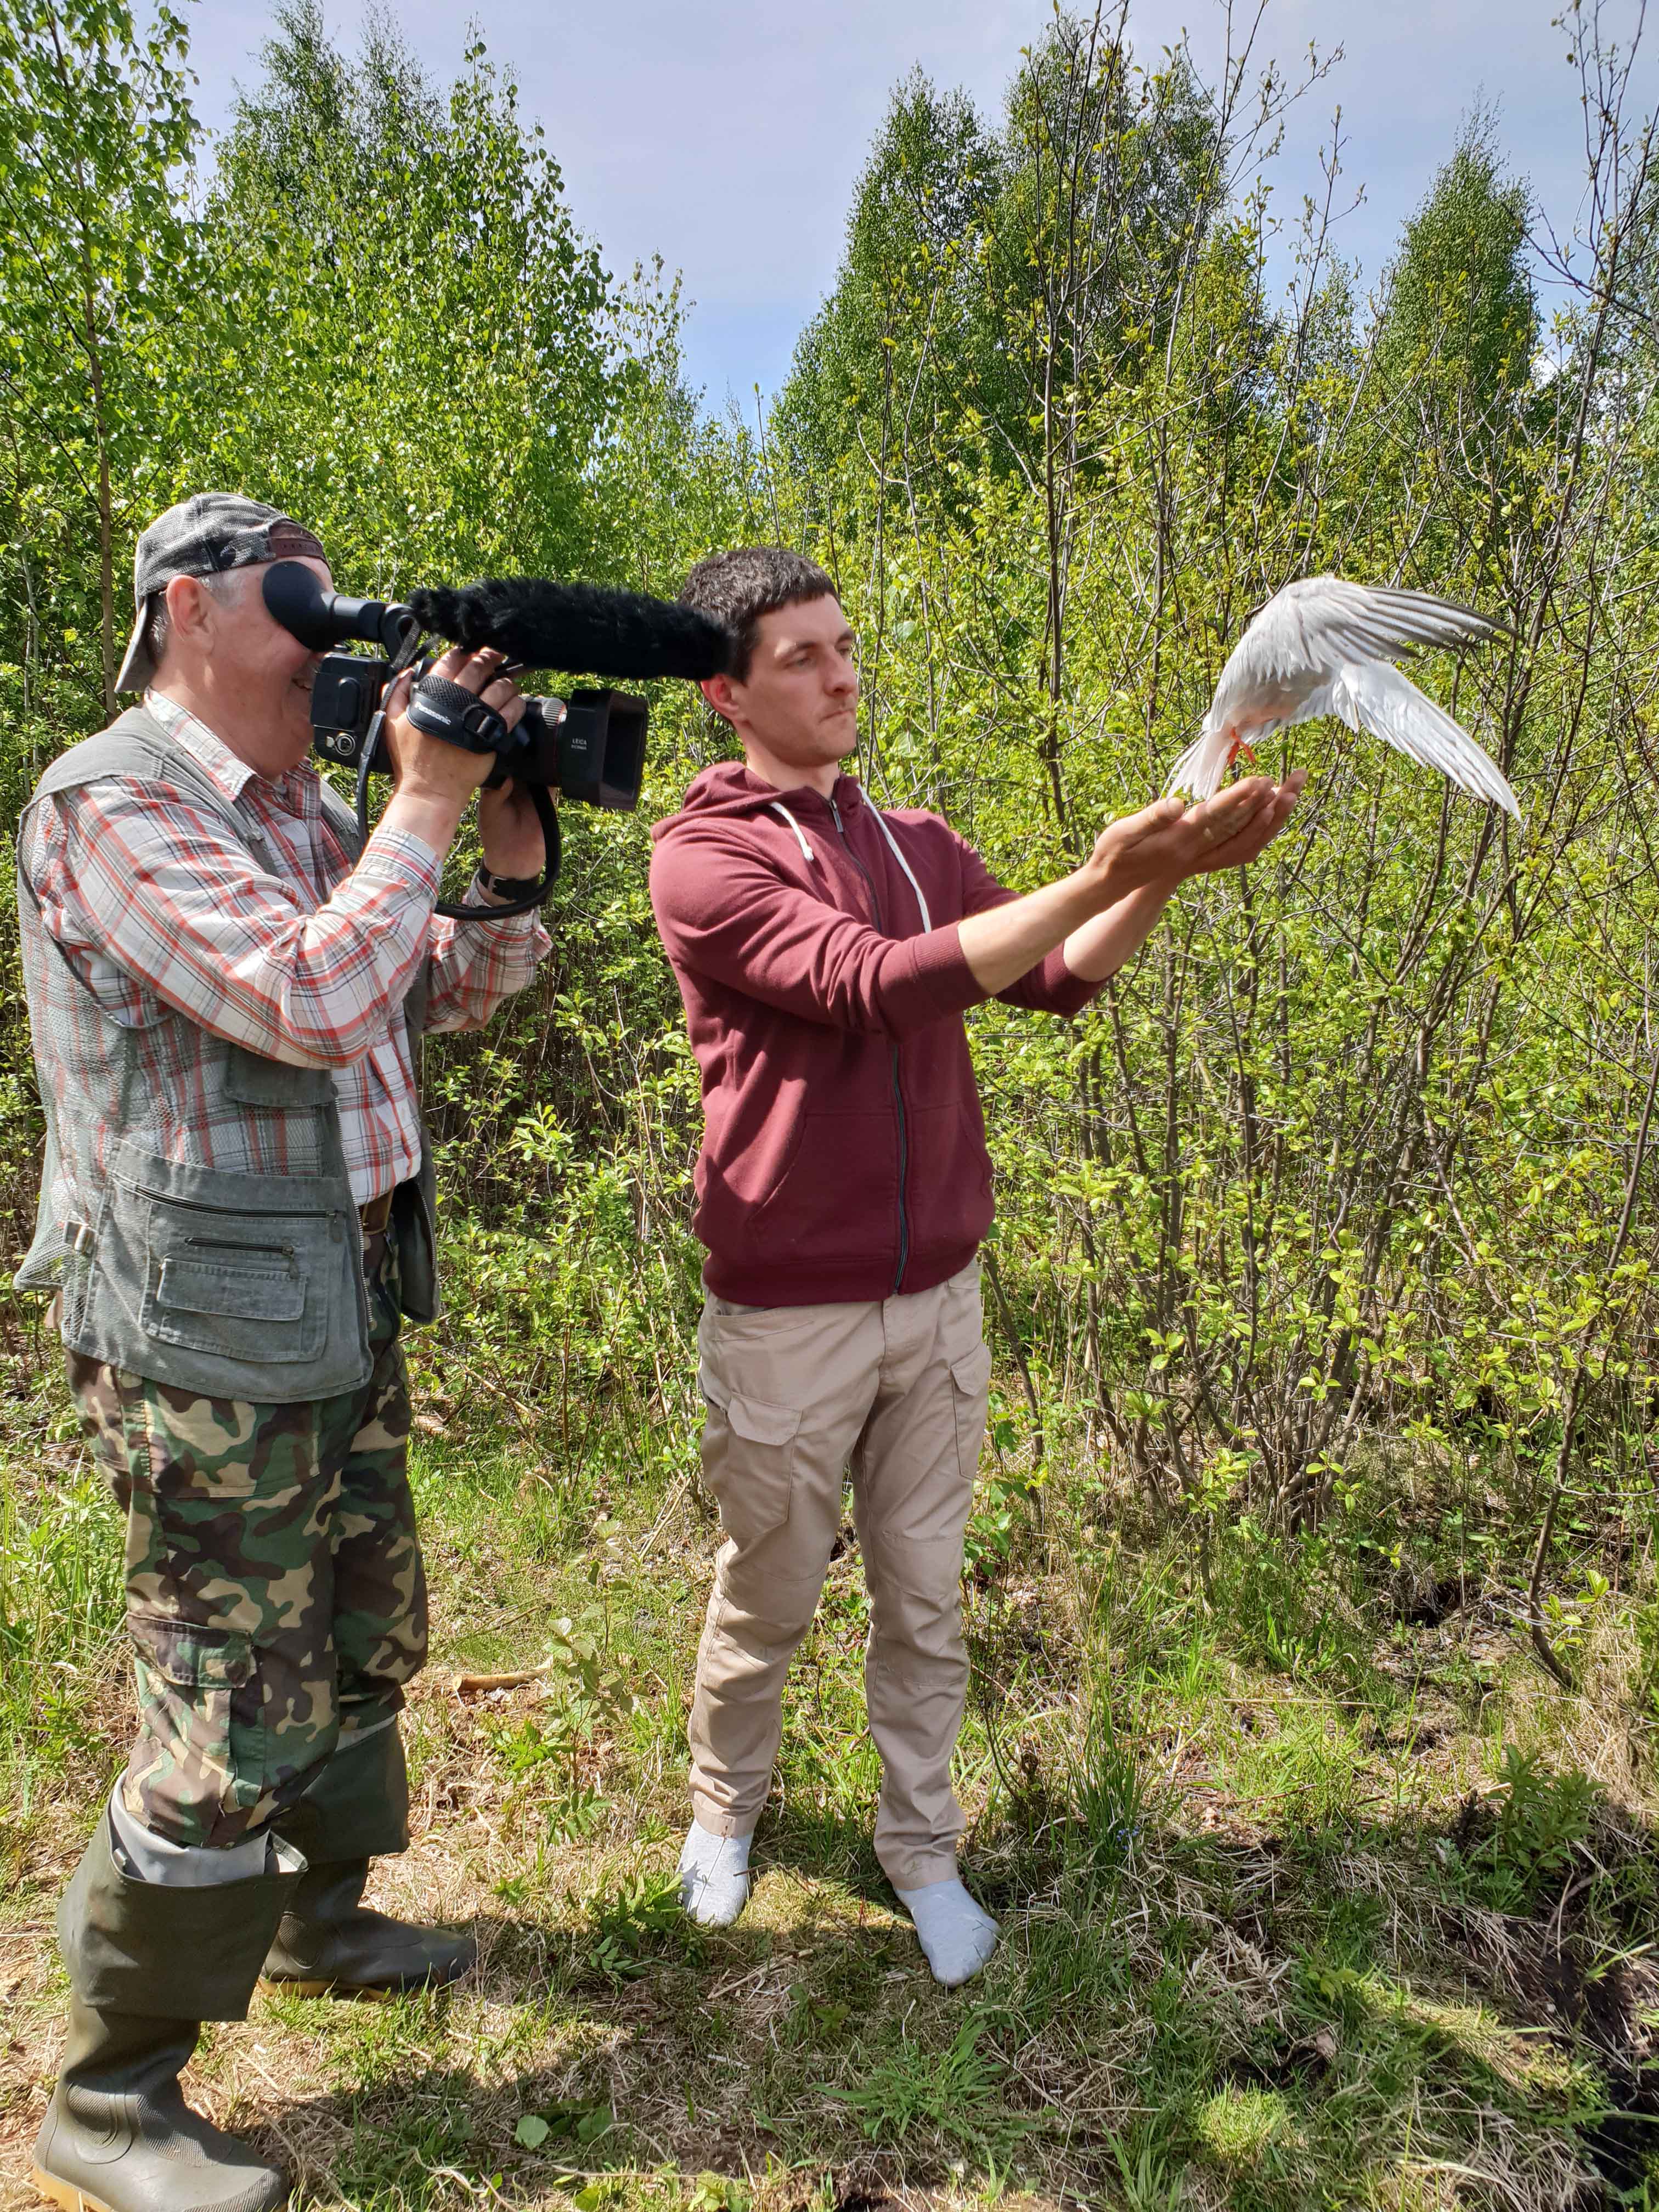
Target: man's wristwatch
[{"x": 507, "y": 887}]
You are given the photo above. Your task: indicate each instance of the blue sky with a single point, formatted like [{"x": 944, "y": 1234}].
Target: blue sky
[{"x": 728, "y": 139}]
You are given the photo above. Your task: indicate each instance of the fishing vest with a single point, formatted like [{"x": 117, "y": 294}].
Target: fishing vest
[{"x": 246, "y": 1286}]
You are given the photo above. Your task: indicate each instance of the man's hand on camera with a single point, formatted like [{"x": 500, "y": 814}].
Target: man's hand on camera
[
  {"x": 433, "y": 780},
  {"x": 432, "y": 765},
  {"x": 511, "y": 830}
]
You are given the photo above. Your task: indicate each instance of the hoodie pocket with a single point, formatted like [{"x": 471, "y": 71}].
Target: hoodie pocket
[
  {"x": 837, "y": 1201},
  {"x": 949, "y": 1198}
]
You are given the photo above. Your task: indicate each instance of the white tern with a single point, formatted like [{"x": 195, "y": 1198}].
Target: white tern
[{"x": 1324, "y": 646}]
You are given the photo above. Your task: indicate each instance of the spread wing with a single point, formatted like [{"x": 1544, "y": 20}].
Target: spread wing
[
  {"x": 1372, "y": 695},
  {"x": 1369, "y": 622},
  {"x": 1311, "y": 629},
  {"x": 1324, "y": 645}
]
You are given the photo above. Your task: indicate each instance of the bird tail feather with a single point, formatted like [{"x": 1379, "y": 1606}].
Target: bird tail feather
[{"x": 1197, "y": 775}]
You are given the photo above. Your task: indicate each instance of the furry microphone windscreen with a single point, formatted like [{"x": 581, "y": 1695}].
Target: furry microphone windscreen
[{"x": 587, "y": 629}]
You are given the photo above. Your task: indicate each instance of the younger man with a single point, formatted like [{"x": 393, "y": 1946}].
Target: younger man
[{"x": 826, "y": 953}]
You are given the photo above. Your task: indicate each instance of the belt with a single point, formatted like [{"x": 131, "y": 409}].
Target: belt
[{"x": 375, "y": 1213}]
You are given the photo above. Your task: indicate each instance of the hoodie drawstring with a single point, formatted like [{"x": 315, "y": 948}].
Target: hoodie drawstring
[
  {"x": 777, "y": 807},
  {"x": 881, "y": 823}
]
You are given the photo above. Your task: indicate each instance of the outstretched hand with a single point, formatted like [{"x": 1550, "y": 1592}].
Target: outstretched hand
[
  {"x": 1231, "y": 846},
  {"x": 1166, "y": 842},
  {"x": 1139, "y": 861}
]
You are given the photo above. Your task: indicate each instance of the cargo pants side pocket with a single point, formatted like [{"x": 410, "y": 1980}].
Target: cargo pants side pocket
[{"x": 748, "y": 1459}]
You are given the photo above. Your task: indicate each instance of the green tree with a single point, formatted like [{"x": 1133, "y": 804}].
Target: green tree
[
  {"x": 903, "y": 352},
  {"x": 416, "y": 348},
  {"x": 97, "y": 276},
  {"x": 1460, "y": 320}
]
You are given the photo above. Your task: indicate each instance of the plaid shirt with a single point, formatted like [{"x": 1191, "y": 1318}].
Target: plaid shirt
[{"x": 159, "y": 911}]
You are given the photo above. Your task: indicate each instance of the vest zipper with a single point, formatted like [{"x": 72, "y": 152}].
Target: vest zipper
[
  {"x": 200, "y": 1205},
  {"x": 229, "y": 1244},
  {"x": 898, "y": 1093}
]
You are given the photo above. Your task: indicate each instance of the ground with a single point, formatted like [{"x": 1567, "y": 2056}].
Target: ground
[{"x": 1313, "y": 1891}]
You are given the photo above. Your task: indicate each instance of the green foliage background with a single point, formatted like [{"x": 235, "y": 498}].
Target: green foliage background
[
  {"x": 1354, "y": 1162},
  {"x": 1321, "y": 1291}
]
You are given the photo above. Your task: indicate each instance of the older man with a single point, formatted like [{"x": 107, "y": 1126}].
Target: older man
[{"x": 226, "y": 989}]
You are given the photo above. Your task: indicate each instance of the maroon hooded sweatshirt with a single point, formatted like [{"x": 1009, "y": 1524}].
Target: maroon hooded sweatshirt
[{"x": 816, "y": 946}]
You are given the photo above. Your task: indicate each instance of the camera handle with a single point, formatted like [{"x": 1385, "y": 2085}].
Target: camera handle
[{"x": 546, "y": 813}]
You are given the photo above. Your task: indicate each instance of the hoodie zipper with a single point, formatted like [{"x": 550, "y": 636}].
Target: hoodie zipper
[{"x": 898, "y": 1094}]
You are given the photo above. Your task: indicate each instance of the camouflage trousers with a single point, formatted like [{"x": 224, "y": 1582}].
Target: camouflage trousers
[{"x": 276, "y": 1599}]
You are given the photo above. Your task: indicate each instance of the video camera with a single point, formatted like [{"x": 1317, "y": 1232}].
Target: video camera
[{"x": 589, "y": 747}]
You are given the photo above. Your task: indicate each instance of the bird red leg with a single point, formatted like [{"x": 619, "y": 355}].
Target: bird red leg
[{"x": 1239, "y": 746}]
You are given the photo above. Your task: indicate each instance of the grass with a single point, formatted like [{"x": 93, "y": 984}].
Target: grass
[{"x": 1302, "y": 1907}]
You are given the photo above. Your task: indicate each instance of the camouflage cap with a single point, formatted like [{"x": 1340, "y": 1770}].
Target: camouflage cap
[{"x": 206, "y": 535}]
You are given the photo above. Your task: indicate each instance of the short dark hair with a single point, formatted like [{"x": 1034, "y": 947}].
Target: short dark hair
[{"x": 737, "y": 589}]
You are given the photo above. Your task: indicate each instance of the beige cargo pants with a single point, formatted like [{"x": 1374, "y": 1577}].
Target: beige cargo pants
[{"x": 896, "y": 1390}]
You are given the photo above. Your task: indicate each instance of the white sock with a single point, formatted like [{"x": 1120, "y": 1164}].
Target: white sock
[
  {"x": 713, "y": 1877},
  {"x": 955, "y": 1935}
]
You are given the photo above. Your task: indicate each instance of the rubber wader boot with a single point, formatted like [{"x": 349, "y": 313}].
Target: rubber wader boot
[
  {"x": 119, "y": 2138},
  {"x": 146, "y": 1963},
  {"x": 355, "y": 1808},
  {"x": 330, "y": 1944}
]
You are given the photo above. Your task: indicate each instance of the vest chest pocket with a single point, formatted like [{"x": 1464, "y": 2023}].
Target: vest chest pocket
[
  {"x": 253, "y": 1080},
  {"x": 246, "y": 1288},
  {"x": 286, "y": 1109}
]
